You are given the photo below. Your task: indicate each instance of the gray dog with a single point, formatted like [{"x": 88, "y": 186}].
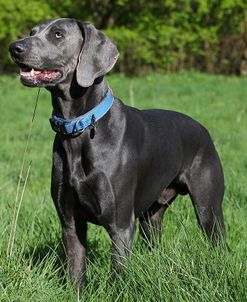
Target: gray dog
[{"x": 133, "y": 164}]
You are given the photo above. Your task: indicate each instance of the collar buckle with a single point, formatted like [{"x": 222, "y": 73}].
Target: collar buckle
[{"x": 59, "y": 128}]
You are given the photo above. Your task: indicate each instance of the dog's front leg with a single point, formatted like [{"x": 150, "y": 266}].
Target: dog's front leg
[
  {"x": 74, "y": 239},
  {"x": 122, "y": 236},
  {"x": 74, "y": 233},
  {"x": 74, "y": 230}
]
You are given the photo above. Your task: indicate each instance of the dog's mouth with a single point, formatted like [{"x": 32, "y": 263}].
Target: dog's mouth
[{"x": 35, "y": 77}]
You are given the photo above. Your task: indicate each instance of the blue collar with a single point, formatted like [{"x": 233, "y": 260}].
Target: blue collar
[{"x": 80, "y": 123}]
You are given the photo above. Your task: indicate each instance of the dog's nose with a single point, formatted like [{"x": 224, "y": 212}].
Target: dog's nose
[{"x": 17, "y": 48}]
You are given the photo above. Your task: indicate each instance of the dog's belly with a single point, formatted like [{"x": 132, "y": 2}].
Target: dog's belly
[
  {"x": 150, "y": 189},
  {"x": 170, "y": 142}
]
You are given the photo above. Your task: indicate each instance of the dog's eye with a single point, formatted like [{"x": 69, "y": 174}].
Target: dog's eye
[{"x": 58, "y": 35}]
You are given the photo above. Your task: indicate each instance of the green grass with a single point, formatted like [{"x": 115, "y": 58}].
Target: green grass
[{"x": 183, "y": 267}]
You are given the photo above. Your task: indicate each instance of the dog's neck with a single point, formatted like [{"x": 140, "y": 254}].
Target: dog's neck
[{"x": 69, "y": 100}]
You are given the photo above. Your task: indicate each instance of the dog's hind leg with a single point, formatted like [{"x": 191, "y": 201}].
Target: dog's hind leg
[
  {"x": 205, "y": 183},
  {"x": 151, "y": 221}
]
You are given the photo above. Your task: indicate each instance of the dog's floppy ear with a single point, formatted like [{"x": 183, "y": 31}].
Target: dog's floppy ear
[{"x": 97, "y": 57}]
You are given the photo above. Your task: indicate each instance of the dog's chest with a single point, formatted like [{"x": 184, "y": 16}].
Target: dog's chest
[
  {"x": 92, "y": 189},
  {"x": 94, "y": 197}
]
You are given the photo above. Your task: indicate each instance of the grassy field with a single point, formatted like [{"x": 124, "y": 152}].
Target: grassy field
[{"x": 183, "y": 267}]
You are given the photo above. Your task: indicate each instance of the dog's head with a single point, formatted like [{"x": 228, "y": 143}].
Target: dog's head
[{"x": 60, "y": 49}]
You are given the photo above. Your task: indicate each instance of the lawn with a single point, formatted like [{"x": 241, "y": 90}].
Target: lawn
[{"x": 183, "y": 267}]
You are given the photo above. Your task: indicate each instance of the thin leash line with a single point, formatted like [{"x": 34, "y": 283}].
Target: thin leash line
[{"x": 19, "y": 196}]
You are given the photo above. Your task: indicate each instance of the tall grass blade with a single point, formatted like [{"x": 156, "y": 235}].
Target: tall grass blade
[{"x": 19, "y": 195}]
